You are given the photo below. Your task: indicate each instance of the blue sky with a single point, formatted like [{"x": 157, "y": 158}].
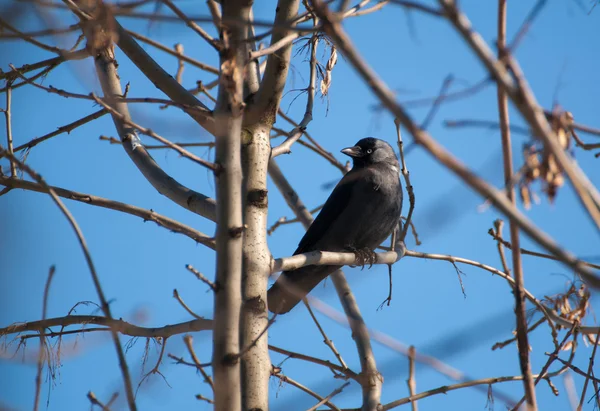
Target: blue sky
[{"x": 140, "y": 264}]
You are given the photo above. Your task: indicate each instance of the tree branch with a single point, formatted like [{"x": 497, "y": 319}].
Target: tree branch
[
  {"x": 521, "y": 327},
  {"x": 147, "y": 215},
  {"x": 119, "y": 326}
]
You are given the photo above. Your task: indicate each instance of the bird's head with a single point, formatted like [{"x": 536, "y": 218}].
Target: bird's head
[{"x": 371, "y": 151}]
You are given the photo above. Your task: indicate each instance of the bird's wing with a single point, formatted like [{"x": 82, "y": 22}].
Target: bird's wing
[{"x": 333, "y": 207}]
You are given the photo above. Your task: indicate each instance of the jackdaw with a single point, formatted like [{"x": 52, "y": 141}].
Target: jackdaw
[{"x": 361, "y": 212}]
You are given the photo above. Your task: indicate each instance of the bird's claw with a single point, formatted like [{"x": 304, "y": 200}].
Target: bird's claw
[{"x": 364, "y": 256}]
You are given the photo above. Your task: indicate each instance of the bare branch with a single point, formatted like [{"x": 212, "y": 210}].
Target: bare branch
[
  {"x": 336, "y": 369},
  {"x": 329, "y": 397},
  {"x": 9, "y": 136},
  {"x": 297, "y": 132},
  {"x": 147, "y": 215},
  {"x": 288, "y": 380},
  {"x": 188, "y": 340},
  {"x": 589, "y": 372},
  {"x": 546, "y": 366},
  {"x": 127, "y": 121},
  {"x": 199, "y": 30},
  {"x": 326, "y": 339},
  {"x": 182, "y": 57},
  {"x": 183, "y": 304},
  {"x": 43, "y": 346},
  {"x": 119, "y": 326},
  {"x": 552, "y": 316},
  {"x": 63, "y": 129},
  {"x": 521, "y": 328},
  {"x": 411, "y": 382}
]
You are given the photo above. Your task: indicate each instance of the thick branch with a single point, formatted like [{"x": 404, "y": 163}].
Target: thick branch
[
  {"x": 120, "y": 326},
  {"x": 228, "y": 116},
  {"x": 256, "y": 365},
  {"x": 161, "y": 79}
]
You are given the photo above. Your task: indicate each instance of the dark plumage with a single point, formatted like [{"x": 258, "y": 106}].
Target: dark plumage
[{"x": 361, "y": 212}]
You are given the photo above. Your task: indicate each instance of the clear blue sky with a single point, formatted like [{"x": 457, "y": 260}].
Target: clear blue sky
[{"x": 140, "y": 264}]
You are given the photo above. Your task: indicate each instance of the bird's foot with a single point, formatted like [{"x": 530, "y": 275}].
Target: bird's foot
[{"x": 364, "y": 256}]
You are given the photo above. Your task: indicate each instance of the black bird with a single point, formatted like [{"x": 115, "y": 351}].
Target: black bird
[{"x": 361, "y": 212}]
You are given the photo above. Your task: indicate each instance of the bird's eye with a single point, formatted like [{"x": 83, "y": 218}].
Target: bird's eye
[{"x": 369, "y": 151}]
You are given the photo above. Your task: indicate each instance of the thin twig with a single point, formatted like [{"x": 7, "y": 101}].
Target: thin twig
[
  {"x": 155, "y": 369},
  {"x": 326, "y": 339},
  {"x": 288, "y": 380},
  {"x": 47, "y": 64},
  {"x": 521, "y": 327},
  {"x": 329, "y": 397},
  {"x": 589, "y": 372},
  {"x": 183, "y": 304},
  {"x": 551, "y": 358},
  {"x": 412, "y": 384},
  {"x": 9, "y": 136},
  {"x": 201, "y": 277},
  {"x": 188, "y": 340},
  {"x": 436, "y": 103},
  {"x": 296, "y": 133},
  {"x": 150, "y": 133},
  {"x": 498, "y": 224},
  {"x": 409, "y": 187},
  {"x": 337, "y": 369},
  {"x": 535, "y": 253},
  {"x": 183, "y": 57},
  {"x": 67, "y": 128},
  {"x": 503, "y": 344},
  {"x": 43, "y": 345},
  {"x": 199, "y": 30},
  {"x": 95, "y": 401}
]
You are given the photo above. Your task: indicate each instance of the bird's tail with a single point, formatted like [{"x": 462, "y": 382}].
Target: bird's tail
[{"x": 292, "y": 286}]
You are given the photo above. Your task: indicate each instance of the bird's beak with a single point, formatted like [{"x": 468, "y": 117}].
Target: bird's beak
[{"x": 355, "y": 151}]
